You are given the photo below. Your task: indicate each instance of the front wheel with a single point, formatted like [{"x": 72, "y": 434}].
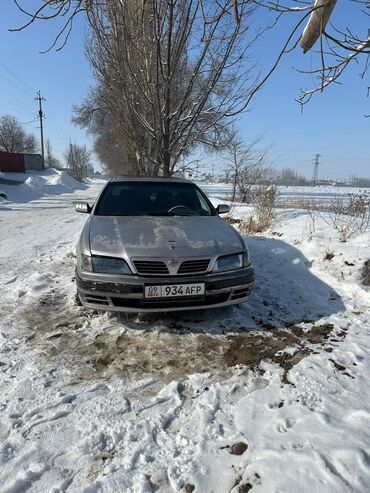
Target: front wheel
[{"x": 77, "y": 299}]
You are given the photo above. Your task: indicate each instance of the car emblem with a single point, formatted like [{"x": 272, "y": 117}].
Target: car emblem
[
  {"x": 172, "y": 244},
  {"x": 173, "y": 262}
]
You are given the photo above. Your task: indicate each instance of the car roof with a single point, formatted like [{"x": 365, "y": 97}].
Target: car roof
[{"x": 160, "y": 179}]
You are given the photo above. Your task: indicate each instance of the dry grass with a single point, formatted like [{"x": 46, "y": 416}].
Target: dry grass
[
  {"x": 349, "y": 217},
  {"x": 249, "y": 226},
  {"x": 263, "y": 212},
  {"x": 329, "y": 254},
  {"x": 263, "y": 204},
  {"x": 296, "y": 203},
  {"x": 365, "y": 273}
]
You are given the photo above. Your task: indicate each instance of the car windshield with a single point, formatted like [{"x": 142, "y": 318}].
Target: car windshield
[{"x": 149, "y": 198}]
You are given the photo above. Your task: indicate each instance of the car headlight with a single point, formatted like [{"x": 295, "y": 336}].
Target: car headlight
[
  {"x": 104, "y": 265},
  {"x": 246, "y": 258},
  {"x": 86, "y": 263},
  {"x": 229, "y": 262}
]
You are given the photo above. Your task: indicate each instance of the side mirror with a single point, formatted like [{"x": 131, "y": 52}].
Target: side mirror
[
  {"x": 83, "y": 207},
  {"x": 223, "y": 209}
]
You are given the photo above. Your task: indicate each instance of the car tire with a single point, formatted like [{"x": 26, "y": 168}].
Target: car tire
[{"x": 77, "y": 299}]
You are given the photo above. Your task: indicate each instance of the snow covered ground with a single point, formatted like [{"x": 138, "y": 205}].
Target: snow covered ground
[
  {"x": 291, "y": 195},
  {"x": 94, "y": 403}
]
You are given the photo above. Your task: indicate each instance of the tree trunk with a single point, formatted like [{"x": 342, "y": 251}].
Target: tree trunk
[{"x": 317, "y": 23}]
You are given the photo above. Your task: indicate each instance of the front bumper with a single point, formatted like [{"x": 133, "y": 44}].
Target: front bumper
[{"x": 126, "y": 293}]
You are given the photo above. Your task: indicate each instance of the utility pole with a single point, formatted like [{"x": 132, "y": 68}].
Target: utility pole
[
  {"x": 315, "y": 176},
  {"x": 72, "y": 164},
  {"x": 40, "y": 99}
]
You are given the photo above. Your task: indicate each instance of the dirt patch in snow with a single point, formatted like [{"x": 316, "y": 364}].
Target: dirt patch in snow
[
  {"x": 93, "y": 346},
  {"x": 52, "y": 314},
  {"x": 284, "y": 347}
]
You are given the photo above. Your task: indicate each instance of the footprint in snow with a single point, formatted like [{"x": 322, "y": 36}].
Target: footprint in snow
[
  {"x": 276, "y": 405},
  {"x": 288, "y": 423},
  {"x": 11, "y": 280},
  {"x": 248, "y": 484}
]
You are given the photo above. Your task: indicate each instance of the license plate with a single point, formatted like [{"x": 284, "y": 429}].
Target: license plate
[{"x": 174, "y": 290}]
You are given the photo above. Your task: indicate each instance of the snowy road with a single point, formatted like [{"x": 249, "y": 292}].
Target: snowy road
[
  {"x": 40, "y": 225},
  {"x": 98, "y": 403}
]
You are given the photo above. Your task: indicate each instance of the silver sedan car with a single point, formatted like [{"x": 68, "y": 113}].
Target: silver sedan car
[{"x": 158, "y": 244}]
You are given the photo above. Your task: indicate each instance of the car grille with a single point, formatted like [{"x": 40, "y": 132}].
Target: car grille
[
  {"x": 151, "y": 267},
  {"x": 193, "y": 266},
  {"x": 158, "y": 267}
]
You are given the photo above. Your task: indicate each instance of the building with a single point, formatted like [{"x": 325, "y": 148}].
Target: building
[{"x": 20, "y": 163}]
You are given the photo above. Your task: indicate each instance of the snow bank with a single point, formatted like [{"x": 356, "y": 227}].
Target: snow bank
[
  {"x": 61, "y": 178},
  {"x": 35, "y": 182},
  {"x": 34, "y": 185}
]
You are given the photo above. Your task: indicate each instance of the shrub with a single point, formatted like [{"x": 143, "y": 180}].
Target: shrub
[
  {"x": 263, "y": 205},
  {"x": 263, "y": 211},
  {"x": 348, "y": 216},
  {"x": 249, "y": 227}
]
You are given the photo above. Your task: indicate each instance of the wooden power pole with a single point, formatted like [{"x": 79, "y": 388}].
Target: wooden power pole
[{"x": 40, "y": 99}]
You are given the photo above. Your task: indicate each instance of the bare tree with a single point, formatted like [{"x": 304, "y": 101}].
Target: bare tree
[
  {"x": 77, "y": 160},
  {"x": 159, "y": 31},
  {"x": 94, "y": 115},
  {"x": 341, "y": 47},
  {"x": 338, "y": 47},
  {"x": 13, "y": 138},
  {"x": 47, "y": 10},
  {"x": 173, "y": 72},
  {"x": 50, "y": 160},
  {"x": 289, "y": 176},
  {"x": 247, "y": 165},
  {"x": 360, "y": 181}
]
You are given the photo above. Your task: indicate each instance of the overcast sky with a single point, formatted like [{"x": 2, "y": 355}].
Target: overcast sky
[{"x": 333, "y": 123}]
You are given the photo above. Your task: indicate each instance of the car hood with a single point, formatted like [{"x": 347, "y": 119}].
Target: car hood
[{"x": 189, "y": 236}]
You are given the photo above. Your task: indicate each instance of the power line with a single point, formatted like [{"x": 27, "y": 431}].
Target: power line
[
  {"x": 11, "y": 95},
  {"x": 334, "y": 160},
  {"x": 17, "y": 78},
  {"x": 10, "y": 108},
  {"x": 16, "y": 101},
  {"x": 31, "y": 91},
  {"x": 57, "y": 126},
  {"x": 13, "y": 103},
  {"x": 14, "y": 86},
  {"x": 27, "y": 123}
]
